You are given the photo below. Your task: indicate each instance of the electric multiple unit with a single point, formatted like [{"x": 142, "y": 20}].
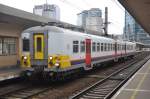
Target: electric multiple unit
[{"x": 55, "y": 51}]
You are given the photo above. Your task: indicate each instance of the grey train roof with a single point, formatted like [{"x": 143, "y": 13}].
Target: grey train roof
[{"x": 43, "y": 28}]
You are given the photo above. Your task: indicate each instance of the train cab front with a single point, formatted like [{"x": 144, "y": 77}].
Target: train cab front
[{"x": 34, "y": 58}]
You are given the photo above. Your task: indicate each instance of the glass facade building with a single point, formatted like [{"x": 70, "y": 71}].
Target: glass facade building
[
  {"x": 133, "y": 31},
  {"x": 91, "y": 19}
]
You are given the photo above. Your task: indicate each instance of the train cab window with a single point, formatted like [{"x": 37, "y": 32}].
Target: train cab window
[
  {"x": 82, "y": 46},
  {"x": 102, "y": 47},
  {"x": 93, "y": 46},
  {"x": 26, "y": 45},
  {"x": 39, "y": 44},
  {"x": 98, "y": 47},
  {"x": 75, "y": 46}
]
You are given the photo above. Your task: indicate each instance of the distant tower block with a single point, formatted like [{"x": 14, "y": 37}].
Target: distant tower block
[
  {"x": 46, "y": 10},
  {"x": 91, "y": 19}
]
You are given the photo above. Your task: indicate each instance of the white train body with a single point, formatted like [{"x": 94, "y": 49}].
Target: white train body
[{"x": 65, "y": 50}]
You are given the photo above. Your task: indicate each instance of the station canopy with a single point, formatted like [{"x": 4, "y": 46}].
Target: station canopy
[
  {"x": 9, "y": 15},
  {"x": 140, "y": 10}
]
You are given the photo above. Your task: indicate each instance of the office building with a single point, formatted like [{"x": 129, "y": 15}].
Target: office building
[
  {"x": 91, "y": 19},
  {"x": 133, "y": 31},
  {"x": 46, "y": 10}
]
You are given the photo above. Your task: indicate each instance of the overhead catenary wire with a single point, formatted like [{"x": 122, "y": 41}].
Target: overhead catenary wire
[{"x": 72, "y": 5}]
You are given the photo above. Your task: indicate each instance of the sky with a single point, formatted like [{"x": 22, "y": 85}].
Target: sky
[{"x": 70, "y": 8}]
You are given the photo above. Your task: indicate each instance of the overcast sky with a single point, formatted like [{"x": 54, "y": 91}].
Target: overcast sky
[{"x": 70, "y": 8}]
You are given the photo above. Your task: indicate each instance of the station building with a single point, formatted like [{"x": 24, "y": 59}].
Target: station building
[{"x": 12, "y": 23}]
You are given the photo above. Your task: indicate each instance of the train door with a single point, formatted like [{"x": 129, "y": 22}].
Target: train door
[
  {"x": 116, "y": 59},
  {"x": 125, "y": 48},
  {"x": 88, "y": 54},
  {"x": 39, "y": 46}
]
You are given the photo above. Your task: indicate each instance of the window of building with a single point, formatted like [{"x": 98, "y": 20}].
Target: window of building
[
  {"x": 26, "y": 45},
  {"x": 93, "y": 46},
  {"x": 12, "y": 46},
  {"x": 102, "y": 47},
  {"x": 8, "y": 46},
  {"x": 5, "y": 46},
  {"x": 1, "y": 46},
  {"x": 98, "y": 47},
  {"x": 82, "y": 46},
  {"x": 75, "y": 46}
]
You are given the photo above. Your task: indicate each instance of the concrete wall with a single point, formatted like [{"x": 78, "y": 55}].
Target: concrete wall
[{"x": 10, "y": 30}]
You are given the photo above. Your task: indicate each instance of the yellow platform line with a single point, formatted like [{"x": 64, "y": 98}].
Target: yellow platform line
[{"x": 140, "y": 84}]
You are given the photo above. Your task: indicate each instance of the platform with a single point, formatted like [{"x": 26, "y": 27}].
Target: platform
[
  {"x": 138, "y": 87},
  {"x": 9, "y": 73}
]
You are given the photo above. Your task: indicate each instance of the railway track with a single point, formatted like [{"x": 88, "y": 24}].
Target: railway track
[
  {"x": 105, "y": 88},
  {"x": 101, "y": 89},
  {"x": 22, "y": 91}
]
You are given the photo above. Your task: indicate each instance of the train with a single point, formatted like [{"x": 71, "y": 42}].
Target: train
[{"x": 56, "y": 52}]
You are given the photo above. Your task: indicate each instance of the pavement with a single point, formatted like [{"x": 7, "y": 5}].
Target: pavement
[{"x": 138, "y": 87}]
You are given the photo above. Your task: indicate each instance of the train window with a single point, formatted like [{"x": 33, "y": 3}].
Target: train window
[
  {"x": 25, "y": 44},
  {"x": 82, "y": 46},
  {"x": 98, "y": 47},
  {"x": 102, "y": 47},
  {"x": 120, "y": 47},
  {"x": 117, "y": 46},
  {"x": 114, "y": 47},
  {"x": 128, "y": 47},
  {"x": 108, "y": 47},
  {"x": 75, "y": 46},
  {"x": 105, "y": 47},
  {"x": 93, "y": 46},
  {"x": 39, "y": 44}
]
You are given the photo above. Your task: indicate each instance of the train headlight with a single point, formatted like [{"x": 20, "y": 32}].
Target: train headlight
[
  {"x": 50, "y": 57},
  {"x": 57, "y": 64},
  {"x": 29, "y": 73},
  {"x": 25, "y": 57}
]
